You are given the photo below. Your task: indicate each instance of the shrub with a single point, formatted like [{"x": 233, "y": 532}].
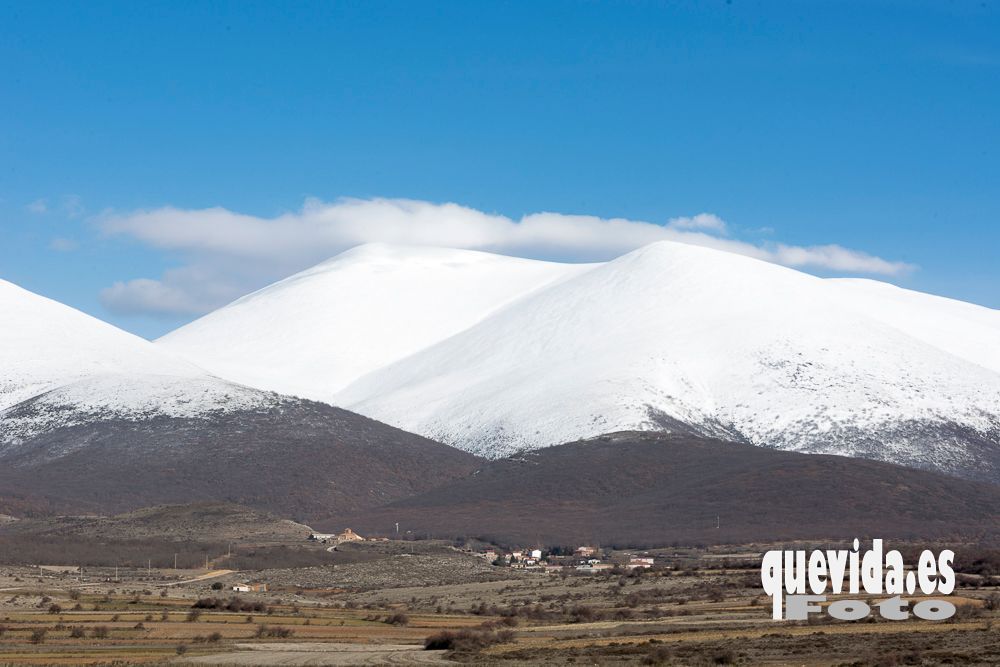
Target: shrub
[
  {"x": 38, "y": 636},
  {"x": 659, "y": 656},
  {"x": 466, "y": 640},
  {"x": 442, "y": 641},
  {"x": 217, "y": 586},
  {"x": 236, "y": 604},
  {"x": 100, "y": 632},
  {"x": 399, "y": 618},
  {"x": 267, "y": 631},
  {"x": 725, "y": 657},
  {"x": 193, "y": 615},
  {"x": 77, "y": 632}
]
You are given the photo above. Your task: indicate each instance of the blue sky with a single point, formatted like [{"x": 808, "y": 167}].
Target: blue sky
[{"x": 869, "y": 126}]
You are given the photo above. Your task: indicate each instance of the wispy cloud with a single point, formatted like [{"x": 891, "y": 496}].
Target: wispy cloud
[
  {"x": 702, "y": 222},
  {"x": 61, "y": 244},
  {"x": 227, "y": 254},
  {"x": 38, "y": 207},
  {"x": 72, "y": 206}
]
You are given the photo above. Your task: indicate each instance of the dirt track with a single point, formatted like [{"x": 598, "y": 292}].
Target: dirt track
[{"x": 322, "y": 654}]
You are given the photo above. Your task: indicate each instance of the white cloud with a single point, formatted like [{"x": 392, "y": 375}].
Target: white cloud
[
  {"x": 227, "y": 254},
  {"x": 38, "y": 207},
  {"x": 706, "y": 222},
  {"x": 190, "y": 290}
]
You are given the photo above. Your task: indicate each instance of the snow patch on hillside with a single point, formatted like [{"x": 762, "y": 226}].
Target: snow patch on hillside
[{"x": 130, "y": 398}]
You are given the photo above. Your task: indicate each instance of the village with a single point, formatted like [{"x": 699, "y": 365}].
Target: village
[{"x": 583, "y": 559}]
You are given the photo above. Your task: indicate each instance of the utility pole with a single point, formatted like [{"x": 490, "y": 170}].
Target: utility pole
[
  {"x": 397, "y": 528},
  {"x": 149, "y": 567},
  {"x": 175, "y": 561},
  {"x": 716, "y": 521}
]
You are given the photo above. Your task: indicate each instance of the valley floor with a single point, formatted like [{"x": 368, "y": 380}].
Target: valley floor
[{"x": 707, "y": 610}]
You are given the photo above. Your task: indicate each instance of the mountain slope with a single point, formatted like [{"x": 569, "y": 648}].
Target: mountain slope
[
  {"x": 685, "y": 338},
  {"x": 45, "y": 344},
  {"x": 659, "y": 489},
  {"x": 95, "y": 419},
  {"x": 313, "y": 333},
  {"x": 196, "y": 522},
  {"x": 60, "y": 367},
  {"x": 963, "y": 329},
  {"x": 297, "y": 458}
]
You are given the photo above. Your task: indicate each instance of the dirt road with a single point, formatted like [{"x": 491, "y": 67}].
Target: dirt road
[
  {"x": 201, "y": 577},
  {"x": 321, "y": 654}
]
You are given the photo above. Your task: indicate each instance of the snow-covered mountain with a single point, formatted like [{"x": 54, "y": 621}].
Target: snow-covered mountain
[
  {"x": 94, "y": 419},
  {"x": 314, "y": 333},
  {"x": 497, "y": 355},
  {"x": 44, "y": 344},
  {"x": 60, "y": 367}
]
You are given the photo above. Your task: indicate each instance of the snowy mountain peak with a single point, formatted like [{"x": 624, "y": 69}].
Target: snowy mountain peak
[
  {"x": 60, "y": 367},
  {"x": 496, "y": 355},
  {"x": 45, "y": 344},
  {"x": 682, "y": 337},
  {"x": 315, "y": 332}
]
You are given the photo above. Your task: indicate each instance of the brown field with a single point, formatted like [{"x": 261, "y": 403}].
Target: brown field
[{"x": 701, "y": 608}]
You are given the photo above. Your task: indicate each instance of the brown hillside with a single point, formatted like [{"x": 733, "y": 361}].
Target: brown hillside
[
  {"x": 302, "y": 460},
  {"x": 196, "y": 522},
  {"x": 647, "y": 489}
]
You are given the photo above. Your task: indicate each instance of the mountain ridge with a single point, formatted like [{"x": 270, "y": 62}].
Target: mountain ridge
[
  {"x": 708, "y": 339},
  {"x": 668, "y": 337}
]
